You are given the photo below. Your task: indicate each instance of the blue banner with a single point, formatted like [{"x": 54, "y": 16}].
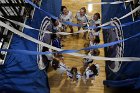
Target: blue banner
[
  {"x": 121, "y": 74},
  {"x": 20, "y": 73}
]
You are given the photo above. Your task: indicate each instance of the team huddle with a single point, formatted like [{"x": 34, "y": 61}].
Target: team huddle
[{"x": 89, "y": 69}]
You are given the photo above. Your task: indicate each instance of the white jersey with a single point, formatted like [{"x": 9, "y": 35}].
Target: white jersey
[
  {"x": 83, "y": 19},
  {"x": 92, "y": 34},
  {"x": 58, "y": 28},
  {"x": 92, "y": 44},
  {"x": 62, "y": 68},
  {"x": 87, "y": 60},
  {"x": 89, "y": 73},
  {"x": 94, "y": 23},
  {"x": 78, "y": 75},
  {"x": 67, "y": 17}
]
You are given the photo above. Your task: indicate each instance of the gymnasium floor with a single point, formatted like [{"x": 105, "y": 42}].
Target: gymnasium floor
[{"x": 60, "y": 84}]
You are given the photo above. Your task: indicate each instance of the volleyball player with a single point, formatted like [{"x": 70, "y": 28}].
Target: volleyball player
[
  {"x": 82, "y": 19},
  {"x": 94, "y": 41},
  {"x": 91, "y": 72},
  {"x": 60, "y": 67},
  {"x": 66, "y": 15},
  {"x": 73, "y": 74},
  {"x": 94, "y": 52},
  {"x": 57, "y": 26},
  {"x": 95, "y": 21}
]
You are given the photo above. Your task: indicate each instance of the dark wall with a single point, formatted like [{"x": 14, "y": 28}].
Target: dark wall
[{"x": 121, "y": 74}]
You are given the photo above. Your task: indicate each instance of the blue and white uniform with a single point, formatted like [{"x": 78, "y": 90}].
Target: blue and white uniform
[
  {"x": 61, "y": 68},
  {"x": 92, "y": 33},
  {"x": 92, "y": 44},
  {"x": 58, "y": 28},
  {"x": 83, "y": 19},
  {"x": 94, "y": 23},
  {"x": 87, "y": 60},
  {"x": 70, "y": 75},
  {"x": 67, "y": 17},
  {"x": 89, "y": 73}
]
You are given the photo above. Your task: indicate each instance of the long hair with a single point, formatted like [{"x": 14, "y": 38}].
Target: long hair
[
  {"x": 97, "y": 29},
  {"x": 83, "y": 8},
  {"x": 97, "y": 14},
  {"x": 55, "y": 64},
  {"x": 96, "y": 52},
  {"x": 97, "y": 39},
  {"x": 94, "y": 69},
  {"x": 73, "y": 70},
  {"x": 53, "y": 20},
  {"x": 74, "y": 73},
  {"x": 62, "y": 8}
]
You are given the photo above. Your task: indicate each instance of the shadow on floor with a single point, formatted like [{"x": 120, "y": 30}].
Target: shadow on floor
[
  {"x": 55, "y": 80},
  {"x": 68, "y": 87}
]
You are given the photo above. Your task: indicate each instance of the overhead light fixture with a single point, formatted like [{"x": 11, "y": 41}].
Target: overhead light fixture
[{"x": 90, "y": 8}]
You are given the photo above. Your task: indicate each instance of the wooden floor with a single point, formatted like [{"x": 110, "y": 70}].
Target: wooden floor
[{"x": 60, "y": 84}]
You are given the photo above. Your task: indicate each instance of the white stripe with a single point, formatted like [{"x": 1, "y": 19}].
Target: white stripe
[
  {"x": 58, "y": 49},
  {"x": 116, "y": 2},
  {"x": 1, "y": 62},
  {"x": 130, "y": 13}
]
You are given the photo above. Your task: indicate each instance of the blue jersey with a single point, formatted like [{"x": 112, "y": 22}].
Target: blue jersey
[{"x": 56, "y": 43}]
